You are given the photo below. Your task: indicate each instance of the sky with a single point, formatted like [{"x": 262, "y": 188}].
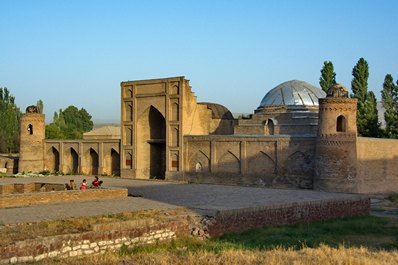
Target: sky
[{"x": 77, "y": 52}]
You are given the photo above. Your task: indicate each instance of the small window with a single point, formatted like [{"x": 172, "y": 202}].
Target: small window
[
  {"x": 30, "y": 129},
  {"x": 341, "y": 124},
  {"x": 270, "y": 125}
]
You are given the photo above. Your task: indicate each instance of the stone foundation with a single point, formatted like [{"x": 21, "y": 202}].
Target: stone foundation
[
  {"x": 88, "y": 243},
  {"x": 112, "y": 236},
  {"x": 237, "y": 220}
]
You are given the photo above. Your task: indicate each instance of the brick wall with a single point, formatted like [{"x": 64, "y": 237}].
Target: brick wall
[
  {"x": 294, "y": 213},
  {"x": 377, "y": 165},
  {"x": 88, "y": 243},
  {"x": 112, "y": 236}
]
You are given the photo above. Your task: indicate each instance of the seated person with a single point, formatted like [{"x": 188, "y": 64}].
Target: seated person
[
  {"x": 96, "y": 183},
  {"x": 71, "y": 185}
]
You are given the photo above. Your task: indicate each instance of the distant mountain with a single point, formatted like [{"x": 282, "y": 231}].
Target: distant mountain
[{"x": 103, "y": 124}]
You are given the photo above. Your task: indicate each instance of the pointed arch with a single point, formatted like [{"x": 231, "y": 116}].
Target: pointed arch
[
  {"x": 341, "y": 125},
  {"x": 53, "y": 159},
  {"x": 174, "y": 89},
  {"x": 229, "y": 163},
  {"x": 151, "y": 144},
  {"x": 92, "y": 162},
  {"x": 300, "y": 163},
  {"x": 30, "y": 129},
  {"x": 115, "y": 162},
  {"x": 174, "y": 111},
  {"x": 262, "y": 164},
  {"x": 199, "y": 162}
]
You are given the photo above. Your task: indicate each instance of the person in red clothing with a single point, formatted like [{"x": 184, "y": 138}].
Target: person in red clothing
[
  {"x": 84, "y": 185},
  {"x": 96, "y": 183}
]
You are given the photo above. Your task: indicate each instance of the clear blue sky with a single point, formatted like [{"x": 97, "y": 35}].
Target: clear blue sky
[{"x": 78, "y": 52}]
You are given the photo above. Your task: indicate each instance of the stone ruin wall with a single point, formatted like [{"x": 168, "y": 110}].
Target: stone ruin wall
[{"x": 112, "y": 236}]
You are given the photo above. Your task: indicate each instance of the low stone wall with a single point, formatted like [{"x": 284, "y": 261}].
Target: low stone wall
[
  {"x": 243, "y": 219},
  {"x": 88, "y": 243},
  {"x": 23, "y": 199},
  {"x": 112, "y": 236}
]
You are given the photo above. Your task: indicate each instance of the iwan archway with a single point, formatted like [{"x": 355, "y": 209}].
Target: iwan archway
[{"x": 151, "y": 145}]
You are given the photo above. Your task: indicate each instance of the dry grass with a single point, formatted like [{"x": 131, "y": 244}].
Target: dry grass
[
  {"x": 19, "y": 232},
  {"x": 361, "y": 240},
  {"x": 277, "y": 256}
]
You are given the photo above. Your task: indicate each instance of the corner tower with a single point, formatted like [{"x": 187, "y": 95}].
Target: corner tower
[
  {"x": 31, "y": 158},
  {"x": 335, "y": 168}
]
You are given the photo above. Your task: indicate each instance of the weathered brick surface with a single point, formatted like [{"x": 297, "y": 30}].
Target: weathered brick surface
[
  {"x": 71, "y": 245},
  {"x": 110, "y": 237},
  {"x": 239, "y": 220},
  {"x": 377, "y": 166}
]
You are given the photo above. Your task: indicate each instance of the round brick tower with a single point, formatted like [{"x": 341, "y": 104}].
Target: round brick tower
[
  {"x": 335, "y": 167},
  {"x": 31, "y": 157}
]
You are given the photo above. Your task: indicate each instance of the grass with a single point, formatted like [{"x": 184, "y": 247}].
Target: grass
[
  {"x": 369, "y": 231},
  {"x": 19, "y": 232},
  {"x": 360, "y": 240}
]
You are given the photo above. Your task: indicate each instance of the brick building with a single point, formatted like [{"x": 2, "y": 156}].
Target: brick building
[{"x": 297, "y": 137}]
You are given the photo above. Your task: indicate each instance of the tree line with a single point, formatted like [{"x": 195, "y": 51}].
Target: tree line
[
  {"x": 70, "y": 123},
  {"x": 367, "y": 114},
  {"x": 9, "y": 122}
]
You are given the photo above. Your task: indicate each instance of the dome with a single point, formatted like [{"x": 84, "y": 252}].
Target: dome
[
  {"x": 293, "y": 93},
  {"x": 218, "y": 111},
  {"x": 338, "y": 91}
]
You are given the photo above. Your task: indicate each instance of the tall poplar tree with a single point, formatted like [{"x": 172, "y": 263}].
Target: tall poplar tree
[
  {"x": 9, "y": 122},
  {"x": 372, "y": 128},
  {"x": 359, "y": 86},
  {"x": 389, "y": 96},
  {"x": 328, "y": 76}
]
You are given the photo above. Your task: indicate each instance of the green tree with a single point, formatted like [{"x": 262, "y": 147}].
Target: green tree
[
  {"x": 389, "y": 96},
  {"x": 70, "y": 123},
  {"x": 328, "y": 76},
  {"x": 40, "y": 106},
  {"x": 366, "y": 107},
  {"x": 9, "y": 122},
  {"x": 372, "y": 128}
]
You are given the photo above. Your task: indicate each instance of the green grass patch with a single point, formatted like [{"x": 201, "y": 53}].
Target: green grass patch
[{"x": 371, "y": 232}]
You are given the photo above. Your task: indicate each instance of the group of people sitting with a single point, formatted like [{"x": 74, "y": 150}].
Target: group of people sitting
[{"x": 83, "y": 186}]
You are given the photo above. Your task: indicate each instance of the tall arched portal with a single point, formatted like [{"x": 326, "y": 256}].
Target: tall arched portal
[
  {"x": 54, "y": 160},
  {"x": 93, "y": 162},
  {"x": 74, "y": 161},
  {"x": 115, "y": 162},
  {"x": 70, "y": 161},
  {"x": 151, "y": 145}
]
